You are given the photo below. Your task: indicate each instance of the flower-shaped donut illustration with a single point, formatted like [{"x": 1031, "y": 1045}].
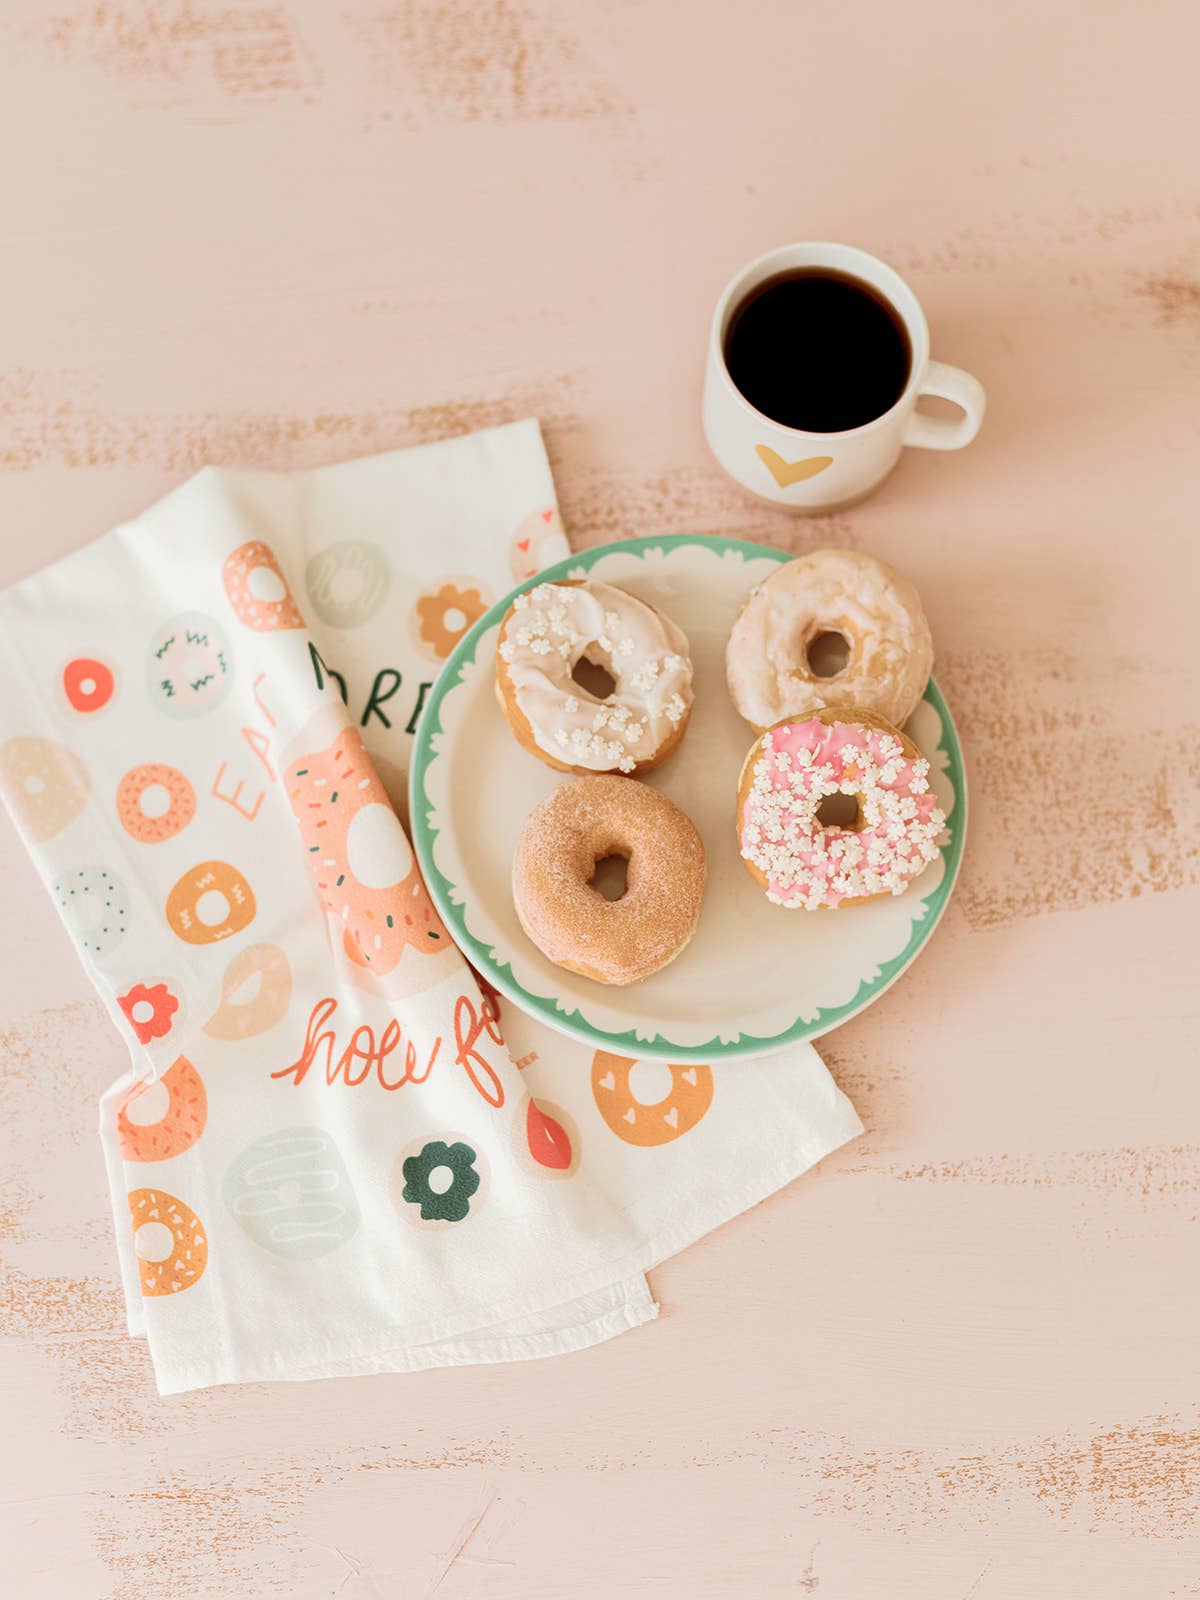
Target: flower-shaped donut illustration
[
  {"x": 441, "y": 1179},
  {"x": 443, "y": 614},
  {"x": 150, "y": 1009}
]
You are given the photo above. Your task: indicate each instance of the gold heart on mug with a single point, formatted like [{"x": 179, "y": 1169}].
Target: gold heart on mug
[{"x": 789, "y": 472}]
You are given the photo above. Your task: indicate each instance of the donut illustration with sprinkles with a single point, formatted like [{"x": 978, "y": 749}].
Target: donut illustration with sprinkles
[{"x": 358, "y": 854}]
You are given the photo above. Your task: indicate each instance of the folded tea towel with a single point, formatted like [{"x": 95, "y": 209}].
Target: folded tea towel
[{"x": 332, "y": 1153}]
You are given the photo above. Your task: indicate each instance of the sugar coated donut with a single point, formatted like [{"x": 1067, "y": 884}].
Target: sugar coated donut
[
  {"x": 575, "y": 827},
  {"x": 44, "y": 784},
  {"x": 189, "y": 668},
  {"x": 777, "y": 657},
  {"x": 211, "y": 902},
  {"x": 155, "y": 802},
  {"x": 547, "y": 633},
  {"x": 88, "y": 684},
  {"x": 95, "y": 907},
  {"x": 243, "y": 1015},
  {"x": 169, "y": 1241},
  {"x": 258, "y": 590},
  {"x": 790, "y": 777},
  {"x": 637, "y": 1122},
  {"x": 181, "y": 1123},
  {"x": 358, "y": 853}
]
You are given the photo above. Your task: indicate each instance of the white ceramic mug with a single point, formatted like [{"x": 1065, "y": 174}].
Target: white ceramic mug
[{"x": 822, "y": 472}]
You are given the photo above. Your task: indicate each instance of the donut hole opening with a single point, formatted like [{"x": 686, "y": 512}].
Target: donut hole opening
[
  {"x": 594, "y": 678},
  {"x": 840, "y": 811},
  {"x": 610, "y": 876},
  {"x": 827, "y": 653}
]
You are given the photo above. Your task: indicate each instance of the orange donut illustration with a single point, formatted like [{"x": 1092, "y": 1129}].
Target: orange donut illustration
[
  {"x": 444, "y": 613},
  {"x": 258, "y": 590},
  {"x": 155, "y": 802},
  {"x": 169, "y": 1240},
  {"x": 45, "y": 784},
  {"x": 180, "y": 1125},
  {"x": 211, "y": 902},
  {"x": 359, "y": 856},
  {"x": 248, "y": 1009},
  {"x": 677, "y": 1113}
]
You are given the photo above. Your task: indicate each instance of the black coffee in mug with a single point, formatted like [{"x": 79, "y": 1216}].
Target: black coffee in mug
[{"x": 818, "y": 350}]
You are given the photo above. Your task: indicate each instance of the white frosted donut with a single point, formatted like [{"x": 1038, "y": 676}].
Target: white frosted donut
[
  {"x": 770, "y": 655},
  {"x": 547, "y": 632}
]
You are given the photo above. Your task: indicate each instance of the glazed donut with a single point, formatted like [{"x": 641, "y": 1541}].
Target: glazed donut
[
  {"x": 238, "y": 1018},
  {"x": 359, "y": 856},
  {"x": 166, "y": 1264},
  {"x": 827, "y": 594},
  {"x": 95, "y": 907},
  {"x": 45, "y": 785},
  {"x": 87, "y": 684},
  {"x": 547, "y": 632},
  {"x": 791, "y": 772},
  {"x": 253, "y": 566},
  {"x": 687, "y": 1100},
  {"x": 195, "y": 925},
  {"x": 141, "y": 824},
  {"x": 180, "y": 1125},
  {"x": 189, "y": 667},
  {"x": 575, "y": 827}
]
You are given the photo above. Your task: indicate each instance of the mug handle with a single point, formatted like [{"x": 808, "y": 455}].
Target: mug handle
[{"x": 945, "y": 433}]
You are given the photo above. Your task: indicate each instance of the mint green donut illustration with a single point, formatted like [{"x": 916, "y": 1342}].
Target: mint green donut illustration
[
  {"x": 291, "y": 1194},
  {"x": 347, "y": 582}
]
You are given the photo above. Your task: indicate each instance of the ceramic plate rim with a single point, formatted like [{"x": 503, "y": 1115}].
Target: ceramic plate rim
[{"x": 499, "y": 973}]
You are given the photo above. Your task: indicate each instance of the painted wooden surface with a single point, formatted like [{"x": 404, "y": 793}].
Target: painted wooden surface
[{"x": 959, "y": 1362}]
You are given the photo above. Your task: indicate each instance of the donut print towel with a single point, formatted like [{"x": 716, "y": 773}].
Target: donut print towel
[{"x": 332, "y": 1153}]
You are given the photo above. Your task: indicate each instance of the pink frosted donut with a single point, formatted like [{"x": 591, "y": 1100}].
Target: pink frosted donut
[
  {"x": 153, "y": 827},
  {"x": 841, "y": 758},
  {"x": 258, "y": 590}
]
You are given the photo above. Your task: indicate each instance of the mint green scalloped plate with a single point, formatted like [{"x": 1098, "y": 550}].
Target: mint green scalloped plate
[{"x": 755, "y": 977}]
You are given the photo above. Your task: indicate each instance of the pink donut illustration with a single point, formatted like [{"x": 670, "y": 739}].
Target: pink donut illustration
[
  {"x": 258, "y": 590},
  {"x": 358, "y": 853}
]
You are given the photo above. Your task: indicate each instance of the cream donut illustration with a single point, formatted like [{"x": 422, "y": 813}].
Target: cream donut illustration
[
  {"x": 358, "y": 854},
  {"x": 44, "y": 784},
  {"x": 255, "y": 993},
  {"x": 537, "y": 543},
  {"x": 258, "y": 590}
]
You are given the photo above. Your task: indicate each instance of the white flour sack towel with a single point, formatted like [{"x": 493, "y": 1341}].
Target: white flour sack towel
[{"x": 332, "y": 1153}]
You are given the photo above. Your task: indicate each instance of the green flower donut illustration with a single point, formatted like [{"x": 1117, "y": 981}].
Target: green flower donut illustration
[{"x": 447, "y": 1202}]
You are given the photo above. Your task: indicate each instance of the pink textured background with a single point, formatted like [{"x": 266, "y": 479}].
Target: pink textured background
[{"x": 960, "y": 1362}]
